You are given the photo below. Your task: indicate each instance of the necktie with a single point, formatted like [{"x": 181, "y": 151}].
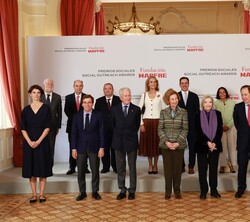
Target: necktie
[
  {"x": 48, "y": 100},
  {"x": 87, "y": 121},
  {"x": 185, "y": 98},
  {"x": 248, "y": 115},
  {"x": 108, "y": 104},
  {"x": 77, "y": 103},
  {"x": 125, "y": 111}
]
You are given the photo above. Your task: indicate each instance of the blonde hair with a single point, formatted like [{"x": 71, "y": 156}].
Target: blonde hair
[
  {"x": 147, "y": 83},
  {"x": 203, "y": 101}
]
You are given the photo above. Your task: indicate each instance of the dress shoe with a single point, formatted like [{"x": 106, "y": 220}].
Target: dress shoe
[
  {"x": 96, "y": 195},
  {"x": 33, "y": 199},
  {"x": 155, "y": 172},
  {"x": 215, "y": 195},
  {"x": 131, "y": 196},
  {"x": 121, "y": 196},
  {"x": 203, "y": 196},
  {"x": 81, "y": 196},
  {"x": 87, "y": 171},
  {"x": 238, "y": 194},
  {"x": 191, "y": 170},
  {"x": 150, "y": 172},
  {"x": 70, "y": 171},
  {"x": 42, "y": 199},
  {"x": 104, "y": 171},
  {"x": 178, "y": 196},
  {"x": 167, "y": 196}
]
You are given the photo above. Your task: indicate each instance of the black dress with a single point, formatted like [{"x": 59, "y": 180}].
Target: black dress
[{"x": 36, "y": 162}]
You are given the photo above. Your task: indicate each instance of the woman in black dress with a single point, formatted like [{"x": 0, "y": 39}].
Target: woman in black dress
[{"x": 35, "y": 126}]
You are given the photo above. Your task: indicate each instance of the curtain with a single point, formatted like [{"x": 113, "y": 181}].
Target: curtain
[
  {"x": 100, "y": 28},
  {"x": 10, "y": 71},
  {"x": 246, "y": 28},
  {"x": 77, "y": 17}
]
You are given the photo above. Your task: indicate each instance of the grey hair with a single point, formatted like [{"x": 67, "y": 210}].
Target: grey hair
[{"x": 124, "y": 89}]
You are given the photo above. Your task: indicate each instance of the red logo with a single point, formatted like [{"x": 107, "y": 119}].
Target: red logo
[{"x": 96, "y": 50}]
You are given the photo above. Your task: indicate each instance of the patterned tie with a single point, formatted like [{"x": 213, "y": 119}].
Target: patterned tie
[
  {"x": 48, "y": 100},
  {"x": 125, "y": 111},
  {"x": 248, "y": 115},
  {"x": 77, "y": 103},
  {"x": 108, "y": 103},
  {"x": 87, "y": 122}
]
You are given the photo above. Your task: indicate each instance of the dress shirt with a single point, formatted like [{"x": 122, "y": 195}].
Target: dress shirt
[
  {"x": 185, "y": 94},
  {"x": 50, "y": 96}
]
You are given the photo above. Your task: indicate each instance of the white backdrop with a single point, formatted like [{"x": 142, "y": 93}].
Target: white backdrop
[{"x": 209, "y": 61}]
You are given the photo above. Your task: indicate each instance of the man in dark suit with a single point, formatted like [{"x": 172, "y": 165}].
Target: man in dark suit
[
  {"x": 103, "y": 104},
  {"x": 126, "y": 122},
  {"x": 190, "y": 102},
  {"x": 72, "y": 106},
  {"x": 241, "y": 117},
  {"x": 87, "y": 141},
  {"x": 55, "y": 102}
]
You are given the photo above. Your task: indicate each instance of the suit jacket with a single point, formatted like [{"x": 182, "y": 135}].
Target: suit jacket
[
  {"x": 70, "y": 109},
  {"x": 101, "y": 105},
  {"x": 56, "y": 110},
  {"x": 201, "y": 139},
  {"x": 93, "y": 138},
  {"x": 241, "y": 124},
  {"x": 192, "y": 107},
  {"x": 125, "y": 129}
]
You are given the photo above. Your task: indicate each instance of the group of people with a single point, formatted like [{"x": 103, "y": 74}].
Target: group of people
[{"x": 168, "y": 125}]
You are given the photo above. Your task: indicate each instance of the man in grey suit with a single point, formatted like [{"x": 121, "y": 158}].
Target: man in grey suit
[
  {"x": 55, "y": 102},
  {"x": 126, "y": 119},
  {"x": 242, "y": 123}
]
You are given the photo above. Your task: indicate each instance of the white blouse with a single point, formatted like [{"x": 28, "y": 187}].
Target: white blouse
[{"x": 153, "y": 106}]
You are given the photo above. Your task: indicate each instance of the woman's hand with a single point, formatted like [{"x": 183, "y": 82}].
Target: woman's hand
[{"x": 142, "y": 128}]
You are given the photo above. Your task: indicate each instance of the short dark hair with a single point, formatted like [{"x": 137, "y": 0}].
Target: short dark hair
[
  {"x": 184, "y": 78},
  {"x": 245, "y": 86},
  {"x": 36, "y": 87},
  {"x": 87, "y": 97},
  {"x": 218, "y": 91}
]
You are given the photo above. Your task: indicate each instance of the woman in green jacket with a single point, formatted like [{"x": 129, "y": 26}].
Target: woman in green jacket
[{"x": 172, "y": 131}]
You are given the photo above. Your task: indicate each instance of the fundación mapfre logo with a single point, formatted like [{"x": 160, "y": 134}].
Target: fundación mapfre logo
[
  {"x": 245, "y": 71},
  {"x": 194, "y": 48},
  {"x": 96, "y": 49}
]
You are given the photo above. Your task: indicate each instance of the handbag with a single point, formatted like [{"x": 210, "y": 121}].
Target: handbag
[{"x": 143, "y": 107}]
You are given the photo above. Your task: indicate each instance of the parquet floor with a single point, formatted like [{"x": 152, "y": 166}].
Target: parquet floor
[{"x": 150, "y": 207}]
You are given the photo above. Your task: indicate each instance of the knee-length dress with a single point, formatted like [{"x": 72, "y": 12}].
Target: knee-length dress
[{"x": 36, "y": 162}]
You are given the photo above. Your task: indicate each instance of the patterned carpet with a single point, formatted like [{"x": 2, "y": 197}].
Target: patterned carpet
[{"x": 146, "y": 207}]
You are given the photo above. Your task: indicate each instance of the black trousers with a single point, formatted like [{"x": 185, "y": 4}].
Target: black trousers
[
  {"x": 109, "y": 153},
  {"x": 242, "y": 160},
  {"x": 208, "y": 160}
]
